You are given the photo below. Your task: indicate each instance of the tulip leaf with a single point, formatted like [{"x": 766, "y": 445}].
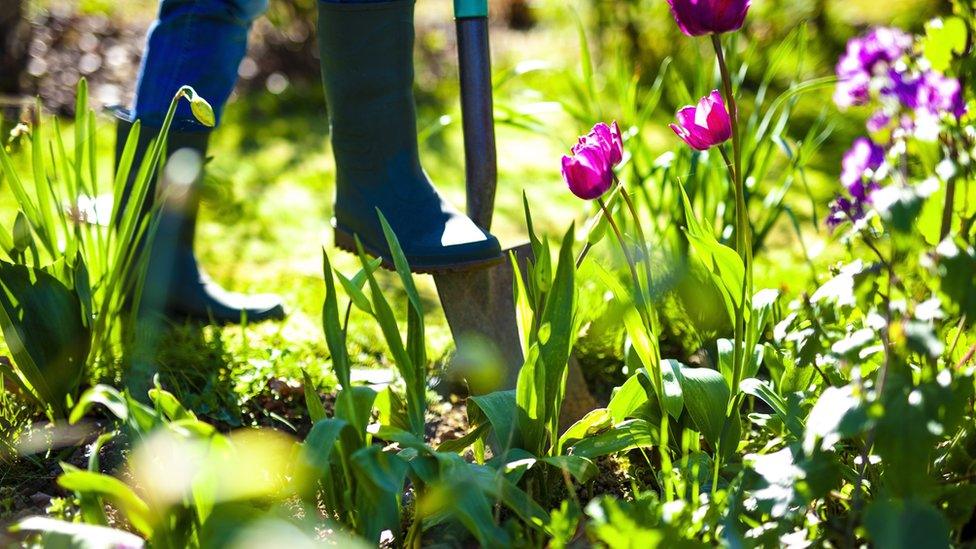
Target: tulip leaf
[
  {"x": 42, "y": 324},
  {"x": 59, "y": 533},
  {"x": 723, "y": 263},
  {"x": 88, "y": 482},
  {"x": 706, "y": 397},
  {"x": 635, "y": 433},
  {"x": 380, "y": 477}
]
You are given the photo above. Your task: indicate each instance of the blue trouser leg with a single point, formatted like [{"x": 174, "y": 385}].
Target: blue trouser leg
[{"x": 199, "y": 43}]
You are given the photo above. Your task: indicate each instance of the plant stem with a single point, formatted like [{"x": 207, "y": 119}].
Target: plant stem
[
  {"x": 665, "y": 427},
  {"x": 950, "y": 199},
  {"x": 645, "y": 251},
  {"x": 743, "y": 237},
  {"x": 630, "y": 262}
]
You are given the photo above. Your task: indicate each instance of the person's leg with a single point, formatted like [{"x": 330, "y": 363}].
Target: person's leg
[
  {"x": 367, "y": 70},
  {"x": 199, "y": 43}
]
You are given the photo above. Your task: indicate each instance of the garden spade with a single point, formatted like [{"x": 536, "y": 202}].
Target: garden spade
[{"x": 480, "y": 304}]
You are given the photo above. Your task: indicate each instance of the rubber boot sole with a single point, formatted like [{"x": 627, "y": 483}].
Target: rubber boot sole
[{"x": 347, "y": 242}]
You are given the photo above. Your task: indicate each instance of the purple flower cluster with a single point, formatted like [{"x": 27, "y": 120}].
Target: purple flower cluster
[
  {"x": 861, "y": 163},
  {"x": 868, "y": 56},
  {"x": 881, "y": 61},
  {"x": 882, "y": 66}
]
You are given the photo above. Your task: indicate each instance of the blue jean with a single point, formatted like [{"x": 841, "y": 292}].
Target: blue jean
[{"x": 199, "y": 43}]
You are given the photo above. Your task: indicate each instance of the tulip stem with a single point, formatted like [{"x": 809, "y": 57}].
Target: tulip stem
[
  {"x": 728, "y": 162},
  {"x": 645, "y": 253},
  {"x": 743, "y": 238},
  {"x": 630, "y": 263}
]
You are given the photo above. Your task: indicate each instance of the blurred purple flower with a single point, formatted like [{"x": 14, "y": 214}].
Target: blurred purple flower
[
  {"x": 705, "y": 125},
  {"x": 878, "y": 121},
  {"x": 701, "y": 17},
  {"x": 842, "y": 210},
  {"x": 867, "y": 56},
  {"x": 587, "y": 172},
  {"x": 941, "y": 94},
  {"x": 853, "y": 90},
  {"x": 865, "y": 155},
  {"x": 608, "y": 138},
  {"x": 881, "y": 46},
  {"x": 930, "y": 92}
]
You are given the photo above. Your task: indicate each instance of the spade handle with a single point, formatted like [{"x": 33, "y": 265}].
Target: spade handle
[{"x": 477, "y": 109}]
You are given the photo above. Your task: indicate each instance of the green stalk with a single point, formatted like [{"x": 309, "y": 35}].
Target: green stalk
[
  {"x": 665, "y": 427},
  {"x": 630, "y": 262},
  {"x": 742, "y": 230}
]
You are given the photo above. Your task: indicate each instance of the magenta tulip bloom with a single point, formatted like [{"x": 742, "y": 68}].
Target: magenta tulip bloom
[
  {"x": 608, "y": 138},
  {"x": 706, "y": 125},
  {"x": 701, "y": 17},
  {"x": 588, "y": 173}
]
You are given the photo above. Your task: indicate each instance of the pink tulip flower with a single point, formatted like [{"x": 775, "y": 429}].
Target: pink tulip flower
[
  {"x": 588, "y": 173},
  {"x": 701, "y": 17},
  {"x": 608, "y": 138},
  {"x": 705, "y": 125}
]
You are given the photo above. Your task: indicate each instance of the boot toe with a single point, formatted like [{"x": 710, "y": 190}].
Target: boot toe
[
  {"x": 456, "y": 245},
  {"x": 201, "y": 299}
]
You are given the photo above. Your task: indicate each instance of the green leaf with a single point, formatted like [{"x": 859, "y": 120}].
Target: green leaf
[
  {"x": 465, "y": 501},
  {"x": 461, "y": 444},
  {"x": 500, "y": 488},
  {"x": 590, "y": 424},
  {"x": 635, "y": 433},
  {"x": 957, "y": 262},
  {"x": 907, "y": 524},
  {"x": 581, "y": 468},
  {"x": 354, "y": 287},
  {"x": 316, "y": 451},
  {"x": 42, "y": 324},
  {"x": 723, "y": 263},
  {"x": 499, "y": 410},
  {"x": 838, "y": 414},
  {"x": 169, "y": 405},
  {"x": 136, "y": 510},
  {"x": 641, "y": 342},
  {"x": 626, "y": 399},
  {"x": 335, "y": 336},
  {"x": 762, "y": 391},
  {"x": 380, "y": 478},
  {"x": 355, "y": 405},
  {"x": 400, "y": 262},
  {"x": 316, "y": 410},
  {"x": 391, "y": 409},
  {"x": 59, "y": 533},
  {"x": 413, "y": 374},
  {"x": 674, "y": 396},
  {"x": 530, "y": 395},
  {"x": 706, "y": 397},
  {"x": 560, "y": 315},
  {"x": 944, "y": 38}
]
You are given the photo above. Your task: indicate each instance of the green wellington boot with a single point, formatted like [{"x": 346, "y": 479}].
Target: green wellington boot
[
  {"x": 367, "y": 69},
  {"x": 174, "y": 282}
]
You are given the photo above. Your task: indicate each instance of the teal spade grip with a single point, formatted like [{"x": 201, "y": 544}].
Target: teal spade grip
[{"x": 466, "y": 9}]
